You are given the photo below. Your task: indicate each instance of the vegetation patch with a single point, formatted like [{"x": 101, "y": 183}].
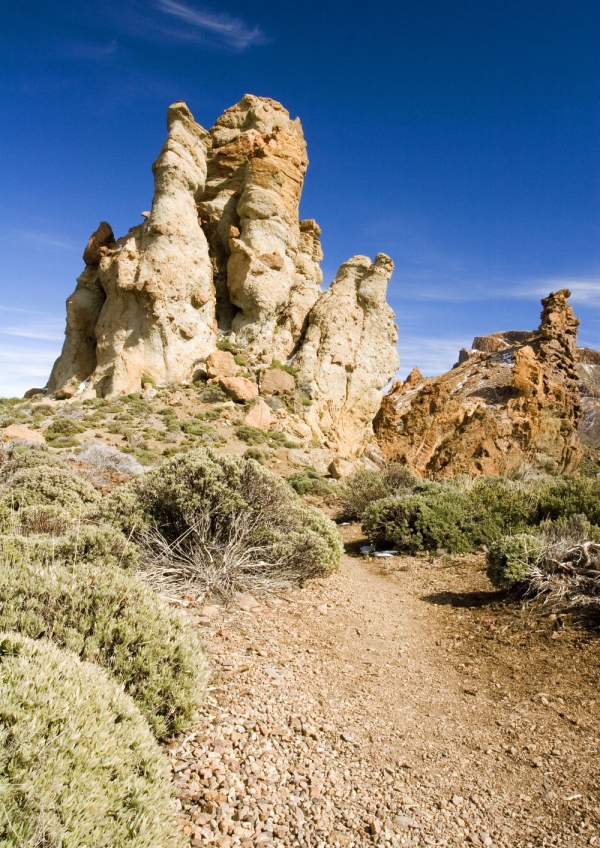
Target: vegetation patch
[{"x": 78, "y": 763}]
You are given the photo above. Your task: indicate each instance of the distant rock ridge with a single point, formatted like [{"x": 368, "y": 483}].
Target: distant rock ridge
[
  {"x": 223, "y": 251},
  {"x": 512, "y": 400}
]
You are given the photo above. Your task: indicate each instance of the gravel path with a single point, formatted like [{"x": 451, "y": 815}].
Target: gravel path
[{"x": 403, "y": 706}]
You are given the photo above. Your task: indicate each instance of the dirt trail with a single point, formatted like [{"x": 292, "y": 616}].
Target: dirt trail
[{"x": 399, "y": 704}]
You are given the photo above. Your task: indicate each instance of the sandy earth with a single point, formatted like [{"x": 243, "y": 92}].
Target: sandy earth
[{"x": 400, "y": 702}]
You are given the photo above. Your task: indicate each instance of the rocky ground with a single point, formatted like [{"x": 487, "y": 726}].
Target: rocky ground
[{"x": 395, "y": 704}]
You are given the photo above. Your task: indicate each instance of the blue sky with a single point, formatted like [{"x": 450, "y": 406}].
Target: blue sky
[{"x": 460, "y": 137}]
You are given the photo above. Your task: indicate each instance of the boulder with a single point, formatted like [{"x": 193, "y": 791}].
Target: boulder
[
  {"x": 66, "y": 393},
  {"x": 33, "y": 392},
  {"x": 19, "y": 431},
  {"x": 259, "y": 416},
  {"x": 239, "y": 389},
  {"x": 340, "y": 468},
  {"x": 274, "y": 381},
  {"x": 221, "y": 363}
]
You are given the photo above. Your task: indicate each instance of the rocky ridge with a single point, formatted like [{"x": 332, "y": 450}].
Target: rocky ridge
[
  {"x": 511, "y": 400},
  {"x": 223, "y": 253}
]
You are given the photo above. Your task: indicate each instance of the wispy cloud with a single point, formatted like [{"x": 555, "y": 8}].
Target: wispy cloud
[
  {"x": 45, "y": 239},
  {"x": 224, "y": 30},
  {"x": 88, "y": 50},
  {"x": 584, "y": 290},
  {"x": 430, "y": 355}
]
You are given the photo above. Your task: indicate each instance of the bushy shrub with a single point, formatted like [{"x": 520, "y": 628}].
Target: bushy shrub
[
  {"x": 45, "y": 519},
  {"x": 213, "y": 393},
  {"x": 107, "y": 616},
  {"x": 564, "y": 496},
  {"x": 309, "y": 482},
  {"x": 62, "y": 427},
  {"x": 510, "y": 558},
  {"x": 251, "y": 435},
  {"x": 498, "y": 506},
  {"x": 280, "y": 536},
  {"x": 21, "y": 460},
  {"x": 103, "y": 458},
  {"x": 261, "y": 455},
  {"x": 433, "y": 519},
  {"x": 363, "y": 487},
  {"x": 43, "y": 485},
  {"x": 78, "y": 763}
]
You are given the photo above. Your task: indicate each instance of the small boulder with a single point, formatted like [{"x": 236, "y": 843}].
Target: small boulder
[
  {"x": 18, "y": 431},
  {"x": 66, "y": 393},
  {"x": 239, "y": 388},
  {"x": 33, "y": 392},
  {"x": 221, "y": 363},
  {"x": 274, "y": 381},
  {"x": 259, "y": 416},
  {"x": 340, "y": 468}
]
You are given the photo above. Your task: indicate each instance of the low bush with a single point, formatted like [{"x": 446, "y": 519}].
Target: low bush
[
  {"x": 561, "y": 497},
  {"x": 62, "y": 428},
  {"x": 213, "y": 393},
  {"x": 309, "y": 482},
  {"x": 251, "y": 435},
  {"x": 105, "y": 615},
  {"x": 47, "y": 485},
  {"x": 363, "y": 487},
  {"x": 259, "y": 454},
  {"x": 510, "y": 558},
  {"x": 282, "y": 366},
  {"x": 430, "y": 520},
  {"x": 78, "y": 763},
  {"x": 210, "y": 514}
]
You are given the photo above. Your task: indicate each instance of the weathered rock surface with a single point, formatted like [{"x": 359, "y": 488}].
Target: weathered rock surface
[
  {"x": 259, "y": 416},
  {"x": 19, "y": 431},
  {"x": 239, "y": 388},
  {"x": 588, "y": 369},
  {"x": 514, "y": 400},
  {"x": 348, "y": 353},
  {"x": 146, "y": 304},
  {"x": 221, "y": 363},
  {"x": 223, "y": 247},
  {"x": 266, "y": 261},
  {"x": 274, "y": 381}
]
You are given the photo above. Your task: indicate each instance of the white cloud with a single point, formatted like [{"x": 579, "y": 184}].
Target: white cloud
[
  {"x": 584, "y": 290},
  {"x": 28, "y": 351},
  {"x": 431, "y": 356},
  {"x": 220, "y": 29}
]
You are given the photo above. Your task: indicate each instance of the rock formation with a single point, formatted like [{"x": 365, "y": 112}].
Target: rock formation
[
  {"x": 513, "y": 400},
  {"x": 223, "y": 250},
  {"x": 588, "y": 369},
  {"x": 266, "y": 261},
  {"x": 145, "y": 304},
  {"x": 349, "y": 352}
]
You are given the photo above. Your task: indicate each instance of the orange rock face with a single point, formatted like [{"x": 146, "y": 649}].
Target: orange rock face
[{"x": 513, "y": 401}]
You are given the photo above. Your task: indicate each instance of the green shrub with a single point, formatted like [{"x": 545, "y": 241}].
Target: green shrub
[
  {"x": 24, "y": 458},
  {"x": 52, "y": 485},
  {"x": 251, "y": 435},
  {"x": 210, "y": 415},
  {"x": 213, "y": 393},
  {"x": 205, "y": 484},
  {"x": 78, "y": 764},
  {"x": 275, "y": 363},
  {"x": 194, "y": 427},
  {"x": 107, "y": 616},
  {"x": 430, "y": 520},
  {"x": 240, "y": 360},
  {"x": 259, "y": 454},
  {"x": 62, "y": 427},
  {"x": 46, "y": 519},
  {"x": 363, "y": 487},
  {"x": 280, "y": 440},
  {"x": 224, "y": 344},
  {"x": 510, "y": 557},
  {"x": 309, "y": 482},
  {"x": 564, "y": 496},
  {"x": 499, "y": 506}
]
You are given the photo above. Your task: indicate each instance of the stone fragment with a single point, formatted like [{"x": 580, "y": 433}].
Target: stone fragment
[
  {"x": 259, "y": 416},
  {"x": 239, "y": 389},
  {"x": 516, "y": 403},
  {"x": 246, "y": 602},
  {"x": 19, "y": 431},
  {"x": 221, "y": 363},
  {"x": 348, "y": 353},
  {"x": 66, "y": 393},
  {"x": 102, "y": 237},
  {"x": 274, "y": 381},
  {"x": 339, "y": 468}
]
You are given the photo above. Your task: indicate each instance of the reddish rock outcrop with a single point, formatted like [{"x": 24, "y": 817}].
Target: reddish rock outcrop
[{"x": 513, "y": 400}]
